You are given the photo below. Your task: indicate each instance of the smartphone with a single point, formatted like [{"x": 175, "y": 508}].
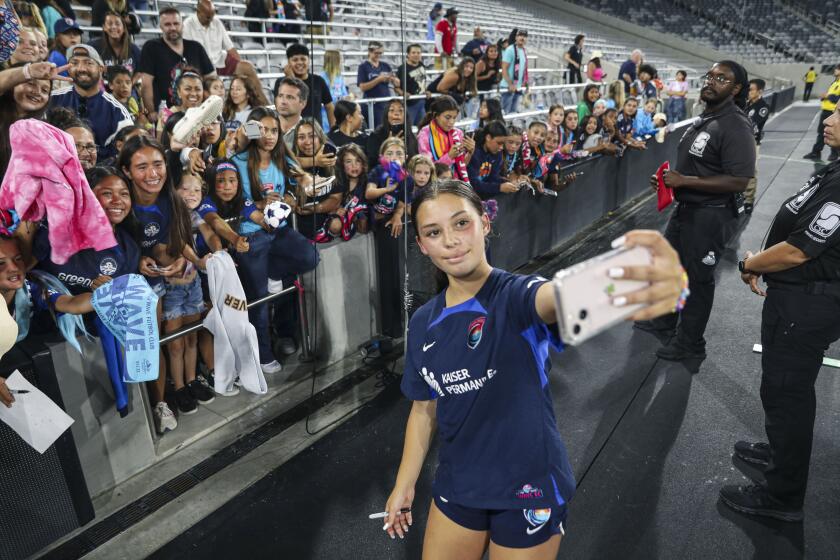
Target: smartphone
[
  {"x": 583, "y": 294},
  {"x": 252, "y": 130},
  {"x": 330, "y": 149}
]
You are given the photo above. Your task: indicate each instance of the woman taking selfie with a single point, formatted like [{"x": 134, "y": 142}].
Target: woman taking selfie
[{"x": 504, "y": 478}]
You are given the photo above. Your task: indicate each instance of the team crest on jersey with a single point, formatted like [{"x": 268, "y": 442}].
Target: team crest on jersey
[
  {"x": 699, "y": 144},
  {"x": 107, "y": 266},
  {"x": 151, "y": 229},
  {"x": 529, "y": 492},
  {"x": 474, "y": 332},
  {"x": 826, "y": 222}
]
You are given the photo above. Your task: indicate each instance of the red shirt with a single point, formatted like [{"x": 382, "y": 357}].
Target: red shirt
[{"x": 449, "y": 34}]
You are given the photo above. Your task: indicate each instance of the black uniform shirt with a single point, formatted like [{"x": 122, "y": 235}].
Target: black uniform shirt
[
  {"x": 758, "y": 113},
  {"x": 722, "y": 144},
  {"x": 810, "y": 221}
]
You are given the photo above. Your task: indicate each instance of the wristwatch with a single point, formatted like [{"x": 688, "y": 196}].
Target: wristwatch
[{"x": 742, "y": 267}]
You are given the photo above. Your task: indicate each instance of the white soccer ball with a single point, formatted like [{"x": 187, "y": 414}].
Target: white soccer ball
[{"x": 276, "y": 213}]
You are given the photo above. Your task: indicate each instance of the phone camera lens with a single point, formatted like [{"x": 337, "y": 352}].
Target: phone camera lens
[
  {"x": 576, "y": 329},
  {"x": 583, "y": 314}
]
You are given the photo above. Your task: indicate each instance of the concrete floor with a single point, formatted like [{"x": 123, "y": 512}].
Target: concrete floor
[{"x": 650, "y": 443}]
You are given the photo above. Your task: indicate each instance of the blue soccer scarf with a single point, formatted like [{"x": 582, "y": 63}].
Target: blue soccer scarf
[{"x": 127, "y": 307}]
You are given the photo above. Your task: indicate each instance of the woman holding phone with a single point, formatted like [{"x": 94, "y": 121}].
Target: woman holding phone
[
  {"x": 504, "y": 478},
  {"x": 392, "y": 127},
  {"x": 440, "y": 140},
  {"x": 269, "y": 173}
]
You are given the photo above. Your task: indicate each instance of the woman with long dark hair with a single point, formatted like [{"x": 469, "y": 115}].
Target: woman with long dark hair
[
  {"x": 393, "y": 125},
  {"x": 474, "y": 373},
  {"x": 442, "y": 141},
  {"x": 115, "y": 45},
  {"x": 591, "y": 94},
  {"x": 166, "y": 240},
  {"x": 348, "y": 125},
  {"x": 268, "y": 174},
  {"x": 488, "y": 70},
  {"x": 241, "y": 99},
  {"x": 317, "y": 207},
  {"x": 490, "y": 110},
  {"x": 458, "y": 83},
  {"x": 25, "y": 95}
]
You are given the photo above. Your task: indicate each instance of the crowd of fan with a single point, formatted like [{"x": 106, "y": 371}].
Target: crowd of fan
[{"x": 121, "y": 103}]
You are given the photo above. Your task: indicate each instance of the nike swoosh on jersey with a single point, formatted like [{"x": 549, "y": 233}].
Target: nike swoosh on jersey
[
  {"x": 532, "y": 530},
  {"x": 427, "y": 346},
  {"x": 535, "y": 280}
]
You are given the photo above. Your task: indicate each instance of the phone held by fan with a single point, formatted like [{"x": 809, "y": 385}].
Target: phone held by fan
[{"x": 584, "y": 294}]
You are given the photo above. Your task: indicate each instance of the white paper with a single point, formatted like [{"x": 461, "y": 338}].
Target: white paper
[{"x": 34, "y": 416}]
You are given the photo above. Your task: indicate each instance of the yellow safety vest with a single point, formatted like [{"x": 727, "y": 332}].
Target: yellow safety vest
[
  {"x": 810, "y": 77},
  {"x": 831, "y": 96}
]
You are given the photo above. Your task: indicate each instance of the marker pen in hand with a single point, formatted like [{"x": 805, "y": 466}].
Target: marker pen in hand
[{"x": 384, "y": 514}]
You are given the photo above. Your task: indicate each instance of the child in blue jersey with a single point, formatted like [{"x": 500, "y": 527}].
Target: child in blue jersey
[
  {"x": 386, "y": 195},
  {"x": 486, "y": 165},
  {"x": 183, "y": 302},
  {"x": 166, "y": 241},
  {"x": 88, "y": 269},
  {"x": 476, "y": 367},
  {"x": 256, "y": 249}
]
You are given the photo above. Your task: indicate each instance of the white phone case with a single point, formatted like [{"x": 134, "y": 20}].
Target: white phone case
[{"x": 584, "y": 292}]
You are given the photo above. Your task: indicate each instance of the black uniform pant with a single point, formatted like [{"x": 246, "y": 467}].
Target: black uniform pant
[
  {"x": 806, "y": 96},
  {"x": 820, "y": 143},
  {"x": 699, "y": 234},
  {"x": 574, "y": 76},
  {"x": 796, "y": 330}
]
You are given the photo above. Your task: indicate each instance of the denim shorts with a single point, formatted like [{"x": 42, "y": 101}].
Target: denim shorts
[
  {"x": 182, "y": 300},
  {"x": 511, "y": 528}
]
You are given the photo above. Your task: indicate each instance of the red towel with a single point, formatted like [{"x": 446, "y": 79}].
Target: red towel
[{"x": 664, "y": 195}]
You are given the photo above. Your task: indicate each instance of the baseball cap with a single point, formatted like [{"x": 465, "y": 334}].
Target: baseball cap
[
  {"x": 452, "y": 12},
  {"x": 64, "y": 25},
  {"x": 89, "y": 52}
]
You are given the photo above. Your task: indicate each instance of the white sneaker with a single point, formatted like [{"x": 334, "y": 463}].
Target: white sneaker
[
  {"x": 273, "y": 367},
  {"x": 196, "y": 118},
  {"x": 275, "y": 286},
  {"x": 320, "y": 186},
  {"x": 232, "y": 392},
  {"x": 164, "y": 418}
]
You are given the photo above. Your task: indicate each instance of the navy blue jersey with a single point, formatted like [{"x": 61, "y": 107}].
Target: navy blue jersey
[
  {"x": 207, "y": 206},
  {"x": 85, "y": 266},
  {"x": 154, "y": 223},
  {"x": 387, "y": 203},
  {"x": 486, "y": 363}
]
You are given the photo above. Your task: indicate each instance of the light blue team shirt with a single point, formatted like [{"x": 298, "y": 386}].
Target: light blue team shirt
[
  {"x": 50, "y": 15},
  {"x": 272, "y": 179},
  {"x": 509, "y": 56}
]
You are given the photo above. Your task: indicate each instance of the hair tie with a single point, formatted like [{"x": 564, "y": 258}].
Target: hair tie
[{"x": 9, "y": 222}]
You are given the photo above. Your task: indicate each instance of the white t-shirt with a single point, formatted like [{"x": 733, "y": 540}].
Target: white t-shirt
[{"x": 214, "y": 38}]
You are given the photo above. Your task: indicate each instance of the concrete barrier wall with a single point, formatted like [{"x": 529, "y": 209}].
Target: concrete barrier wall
[{"x": 345, "y": 295}]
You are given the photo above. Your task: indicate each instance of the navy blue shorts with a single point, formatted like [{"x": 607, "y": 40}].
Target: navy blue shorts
[{"x": 511, "y": 528}]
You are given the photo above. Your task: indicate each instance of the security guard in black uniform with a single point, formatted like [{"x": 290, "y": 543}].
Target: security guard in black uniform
[
  {"x": 715, "y": 160},
  {"x": 801, "y": 318},
  {"x": 757, "y": 111}
]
